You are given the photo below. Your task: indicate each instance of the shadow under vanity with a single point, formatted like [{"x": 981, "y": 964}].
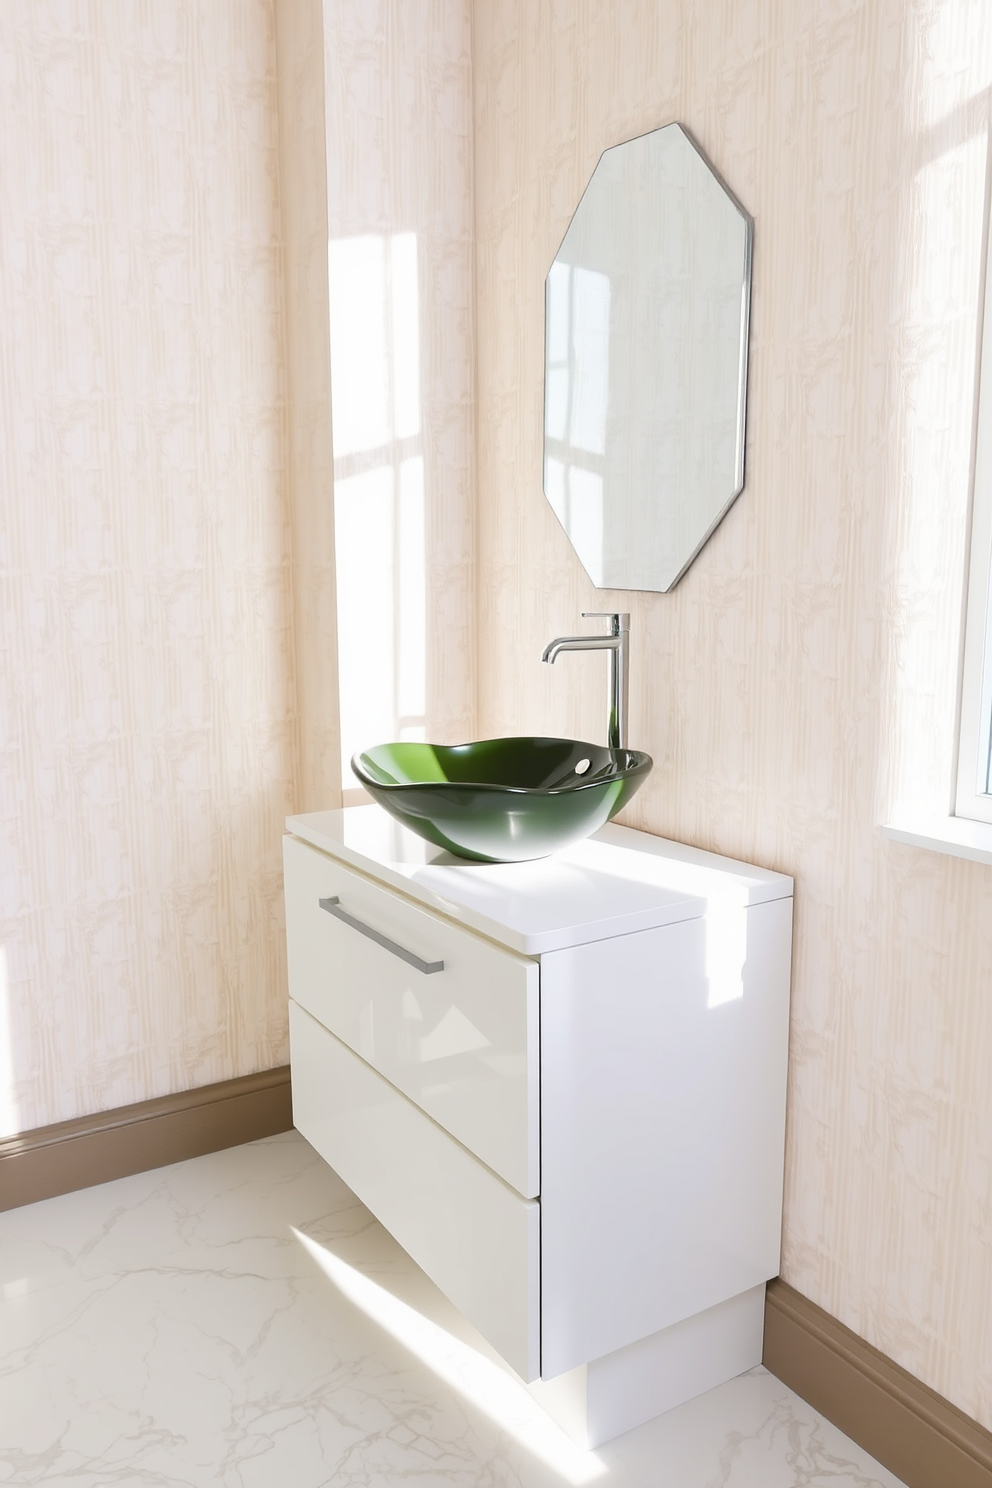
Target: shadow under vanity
[{"x": 574, "y": 1120}]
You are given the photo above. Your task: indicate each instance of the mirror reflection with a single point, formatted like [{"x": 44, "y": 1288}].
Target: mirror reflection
[{"x": 646, "y": 311}]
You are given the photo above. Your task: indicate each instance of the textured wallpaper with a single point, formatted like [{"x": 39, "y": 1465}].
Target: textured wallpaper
[
  {"x": 800, "y": 682},
  {"x": 306, "y": 341},
  {"x": 399, "y": 192},
  {"x": 147, "y": 728},
  {"x": 166, "y": 616},
  {"x": 168, "y": 621}
]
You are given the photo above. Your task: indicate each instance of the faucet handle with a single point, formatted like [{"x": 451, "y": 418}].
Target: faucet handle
[{"x": 620, "y": 619}]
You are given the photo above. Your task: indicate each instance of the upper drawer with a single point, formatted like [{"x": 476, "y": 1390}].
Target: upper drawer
[{"x": 462, "y": 1042}]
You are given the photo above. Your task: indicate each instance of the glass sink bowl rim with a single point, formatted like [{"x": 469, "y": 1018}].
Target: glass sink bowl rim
[
  {"x": 637, "y": 762},
  {"x": 492, "y": 814}
]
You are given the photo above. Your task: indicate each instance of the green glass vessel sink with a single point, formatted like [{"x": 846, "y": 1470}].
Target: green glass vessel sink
[{"x": 502, "y": 800}]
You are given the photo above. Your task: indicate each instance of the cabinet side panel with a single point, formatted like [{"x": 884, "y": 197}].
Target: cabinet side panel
[
  {"x": 473, "y": 1235},
  {"x": 663, "y": 1080}
]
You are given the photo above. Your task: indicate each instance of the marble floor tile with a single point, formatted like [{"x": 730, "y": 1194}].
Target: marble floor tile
[{"x": 241, "y": 1320}]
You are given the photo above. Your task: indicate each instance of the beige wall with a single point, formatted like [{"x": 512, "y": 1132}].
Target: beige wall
[
  {"x": 148, "y": 739},
  {"x": 801, "y": 679},
  {"x": 399, "y": 152},
  {"x": 167, "y": 612},
  {"x": 302, "y": 175}
]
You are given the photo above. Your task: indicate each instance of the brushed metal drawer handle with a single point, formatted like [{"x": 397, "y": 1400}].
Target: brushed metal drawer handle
[{"x": 333, "y": 907}]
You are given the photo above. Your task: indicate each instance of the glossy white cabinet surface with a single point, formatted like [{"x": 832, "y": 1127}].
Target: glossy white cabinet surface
[
  {"x": 615, "y": 882},
  {"x": 590, "y": 1161},
  {"x": 677, "y": 1129},
  {"x": 472, "y": 1234},
  {"x": 462, "y": 1043}
]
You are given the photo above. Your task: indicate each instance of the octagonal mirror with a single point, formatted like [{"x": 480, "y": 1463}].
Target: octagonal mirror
[{"x": 646, "y": 311}]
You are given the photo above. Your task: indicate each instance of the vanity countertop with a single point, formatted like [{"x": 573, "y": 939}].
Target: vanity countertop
[{"x": 615, "y": 882}]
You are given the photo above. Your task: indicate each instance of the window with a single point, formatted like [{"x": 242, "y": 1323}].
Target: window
[{"x": 974, "y": 783}]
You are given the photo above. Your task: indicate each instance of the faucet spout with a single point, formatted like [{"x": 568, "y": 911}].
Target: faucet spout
[
  {"x": 579, "y": 643},
  {"x": 617, "y": 644}
]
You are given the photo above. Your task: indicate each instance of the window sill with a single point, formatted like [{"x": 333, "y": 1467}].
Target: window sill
[{"x": 954, "y": 835}]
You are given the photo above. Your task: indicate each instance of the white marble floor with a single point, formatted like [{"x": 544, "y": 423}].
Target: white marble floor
[{"x": 241, "y": 1320}]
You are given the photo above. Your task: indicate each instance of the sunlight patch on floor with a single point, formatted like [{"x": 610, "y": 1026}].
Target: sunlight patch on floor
[{"x": 477, "y": 1379}]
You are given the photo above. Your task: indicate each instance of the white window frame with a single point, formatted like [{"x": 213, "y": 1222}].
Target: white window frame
[{"x": 973, "y": 795}]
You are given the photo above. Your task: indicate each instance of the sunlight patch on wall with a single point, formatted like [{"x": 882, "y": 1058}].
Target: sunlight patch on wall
[{"x": 379, "y": 520}]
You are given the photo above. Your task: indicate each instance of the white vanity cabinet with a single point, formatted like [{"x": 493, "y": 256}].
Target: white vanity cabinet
[{"x": 560, "y": 1085}]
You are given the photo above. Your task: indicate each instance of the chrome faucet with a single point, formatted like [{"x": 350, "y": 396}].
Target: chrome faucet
[{"x": 617, "y": 643}]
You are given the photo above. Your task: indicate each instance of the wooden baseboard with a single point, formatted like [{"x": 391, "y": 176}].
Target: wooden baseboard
[
  {"x": 113, "y": 1144},
  {"x": 910, "y": 1429}
]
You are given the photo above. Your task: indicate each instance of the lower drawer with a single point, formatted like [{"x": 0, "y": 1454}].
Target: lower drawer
[{"x": 473, "y": 1234}]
